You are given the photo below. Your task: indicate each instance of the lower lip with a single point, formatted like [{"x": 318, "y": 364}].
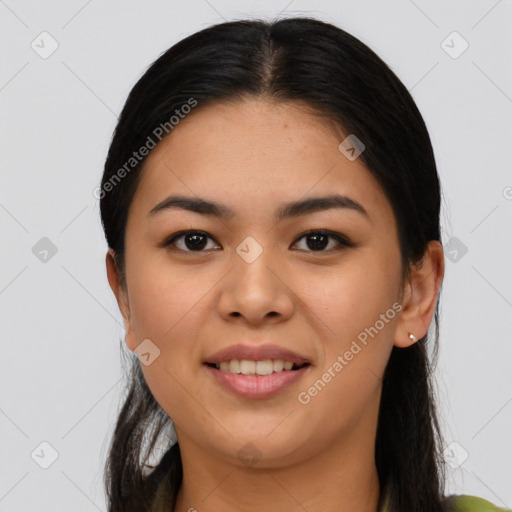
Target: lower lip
[{"x": 257, "y": 386}]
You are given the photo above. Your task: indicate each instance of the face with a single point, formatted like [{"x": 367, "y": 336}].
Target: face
[{"x": 251, "y": 278}]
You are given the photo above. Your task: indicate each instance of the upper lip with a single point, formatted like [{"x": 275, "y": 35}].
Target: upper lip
[{"x": 256, "y": 353}]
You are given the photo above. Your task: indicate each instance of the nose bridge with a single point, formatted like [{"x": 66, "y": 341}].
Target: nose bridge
[
  {"x": 250, "y": 249},
  {"x": 254, "y": 290},
  {"x": 252, "y": 264}
]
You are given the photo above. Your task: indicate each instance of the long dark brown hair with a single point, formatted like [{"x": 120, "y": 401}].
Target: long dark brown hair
[{"x": 339, "y": 77}]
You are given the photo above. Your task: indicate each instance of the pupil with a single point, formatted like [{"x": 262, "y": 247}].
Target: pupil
[
  {"x": 315, "y": 244},
  {"x": 199, "y": 241}
]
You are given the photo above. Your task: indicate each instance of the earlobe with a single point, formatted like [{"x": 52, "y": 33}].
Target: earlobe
[{"x": 421, "y": 297}]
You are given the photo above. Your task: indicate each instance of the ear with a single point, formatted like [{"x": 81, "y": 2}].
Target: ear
[
  {"x": 121, "y": 295},
  {"x": 420, "y": 296}
]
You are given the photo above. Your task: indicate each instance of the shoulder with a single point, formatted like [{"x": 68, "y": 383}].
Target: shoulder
[{"x": 465, "y": 503}]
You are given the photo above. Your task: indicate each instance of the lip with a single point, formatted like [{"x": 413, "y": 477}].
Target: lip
[
  {"x": 256, "y": 353},
  {"x": 257, "y": 386}
]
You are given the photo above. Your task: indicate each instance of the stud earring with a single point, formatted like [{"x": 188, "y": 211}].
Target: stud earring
[{"x": 412, "y": 337}]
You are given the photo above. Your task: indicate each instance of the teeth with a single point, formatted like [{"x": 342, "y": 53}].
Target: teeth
[
  {"x": 247, "y": 367},
  {"x": 264, "y": 367},
  {"x": 234, "y": 366},
  {"x": 278, "y": 365}
]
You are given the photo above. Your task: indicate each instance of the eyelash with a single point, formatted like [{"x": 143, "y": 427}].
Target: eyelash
[{"x": 341, "y": 239}]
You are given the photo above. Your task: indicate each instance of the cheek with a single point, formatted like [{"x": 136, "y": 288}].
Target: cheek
[
  {"x": 345, "y": 301},
  {"x": 355, "y": 342},
  {"x": 164, "y": 300},
  {"x": 166, "y": 307}
]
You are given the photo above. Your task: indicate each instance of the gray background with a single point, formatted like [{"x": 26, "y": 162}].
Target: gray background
[{"x": 60, "y": 369}]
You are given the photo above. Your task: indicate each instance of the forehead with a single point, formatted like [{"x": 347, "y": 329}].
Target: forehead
[{"x": 254, "y": 153}]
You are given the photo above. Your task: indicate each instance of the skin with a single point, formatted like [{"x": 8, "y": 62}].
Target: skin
[{"x": 254, "y": 156}]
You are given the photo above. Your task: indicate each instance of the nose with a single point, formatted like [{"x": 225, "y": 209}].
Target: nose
[{"x": 256, "y": 292}]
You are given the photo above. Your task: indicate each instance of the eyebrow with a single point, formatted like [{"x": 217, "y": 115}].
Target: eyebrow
[{"x": 289, "y": 210}]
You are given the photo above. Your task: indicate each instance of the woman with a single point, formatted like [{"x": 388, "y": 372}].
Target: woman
[{"x": 271, "y": 205}]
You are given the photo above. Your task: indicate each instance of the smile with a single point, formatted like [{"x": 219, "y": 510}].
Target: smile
[{"x": 244, "y": 377}]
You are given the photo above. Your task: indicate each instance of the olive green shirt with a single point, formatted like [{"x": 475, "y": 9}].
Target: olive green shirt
[
  {"x": 465, "y": 503},
  {"x": 462, "y": 503},
  {"x": 454, "y": 503}
]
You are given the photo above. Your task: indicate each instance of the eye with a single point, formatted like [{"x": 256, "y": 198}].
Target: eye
[
  {"x": 318, "y": 240},
  {"x": 193, "y": 241}
]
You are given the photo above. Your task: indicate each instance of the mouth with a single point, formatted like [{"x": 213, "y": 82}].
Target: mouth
[{"x": 250, "y": 379}]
